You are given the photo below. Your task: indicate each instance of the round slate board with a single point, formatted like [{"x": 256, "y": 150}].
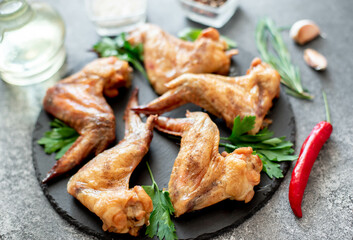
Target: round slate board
[{"x": 163, "y": 151}]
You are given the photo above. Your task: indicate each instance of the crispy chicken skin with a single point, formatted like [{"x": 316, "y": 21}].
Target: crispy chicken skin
[
  {"x": 102, "y": 185},
  {"x": 78, "y": 101},
  {"x": 167, "y": 57},
  {"x": 225, "y": 97},
  {"x": 201, "y": 176}
]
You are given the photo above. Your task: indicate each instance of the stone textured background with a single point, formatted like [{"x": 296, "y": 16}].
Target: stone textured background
[{"x": 328, "y": 202}]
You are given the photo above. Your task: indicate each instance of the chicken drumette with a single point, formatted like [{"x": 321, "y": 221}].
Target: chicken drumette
[
  {"x": 201, "y": 176},
  {"x": 102, "y": 185},
  {"x": 78, "y": 101},
  {"x": 225, "y": 97},
  {"x": 167, "y": 57}
]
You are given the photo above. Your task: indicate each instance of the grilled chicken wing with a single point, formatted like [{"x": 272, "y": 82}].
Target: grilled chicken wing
[
  {"x": 102, "y": 185},
  {"x": 224, "y": 97},
  {"x": 201, "y": 176},
  {"x": 78, "y": 101},
  {"x": 167, "y": 57}
]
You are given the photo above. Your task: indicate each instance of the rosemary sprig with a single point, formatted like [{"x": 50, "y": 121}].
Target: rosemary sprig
[{"x": 274, "y": 51}]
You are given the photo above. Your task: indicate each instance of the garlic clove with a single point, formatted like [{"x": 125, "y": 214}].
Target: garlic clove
[
  {"x": 304, "y": 31},
  {"x": 315, "y": 60}
]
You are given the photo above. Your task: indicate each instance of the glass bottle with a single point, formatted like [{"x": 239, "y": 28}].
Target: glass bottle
[
  {"x": 112, "y": 17},
  {"x": 31, "y": 42}
]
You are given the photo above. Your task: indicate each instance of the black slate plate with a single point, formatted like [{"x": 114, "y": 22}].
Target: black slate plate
[{"x": 163, "y": 151}]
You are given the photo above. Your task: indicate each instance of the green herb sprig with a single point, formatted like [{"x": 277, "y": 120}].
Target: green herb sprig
[
  {"x": 274, "y": 51},
  {"x": 122, "y": 49},
  {"x": 161, "y": 224},
  {"x": 270, "y": 149},
  {"x": 191, "y": 34},
  {"x": 59, "y": 139}
]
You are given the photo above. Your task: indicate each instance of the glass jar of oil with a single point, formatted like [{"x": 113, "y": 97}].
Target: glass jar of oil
[{"x": 31, "y": 42}]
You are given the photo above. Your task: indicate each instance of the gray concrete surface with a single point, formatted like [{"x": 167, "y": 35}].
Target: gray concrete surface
[{"x": 328, "y": 202}]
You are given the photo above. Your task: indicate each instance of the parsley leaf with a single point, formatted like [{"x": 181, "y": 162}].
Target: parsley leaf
[
  {"x": 122, "y": 49},
  {"x": 241, "y": 126},
  {"x": 271, "y": 150},
  {"x": 272, "y": 169},
  {"x": 59, "y": 139},
  {"x": 278, "y": 155},
  {"x": 191, "y": 34},
  {"x": 161, "y": 224}
]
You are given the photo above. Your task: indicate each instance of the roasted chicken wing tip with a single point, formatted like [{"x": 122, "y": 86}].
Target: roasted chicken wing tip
[
  {"x": 232, "y": 52},
  {"x": 141, "y": 109},
  {"x": 256, "y": 61},
  {"x": 211, "y": 33},
  {"x": 132, "y": 118},
  {"x": 133, "y": 102},
  {"x": 50, "y": 175},
  {"x": 54, "y": 172}
]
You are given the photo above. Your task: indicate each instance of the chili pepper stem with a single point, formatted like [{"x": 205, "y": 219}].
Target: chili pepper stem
[{"x": 328, "y": 117}]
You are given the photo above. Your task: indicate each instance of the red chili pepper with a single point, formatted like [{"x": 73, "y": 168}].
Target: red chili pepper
[{"x": 308, "y": 154}]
